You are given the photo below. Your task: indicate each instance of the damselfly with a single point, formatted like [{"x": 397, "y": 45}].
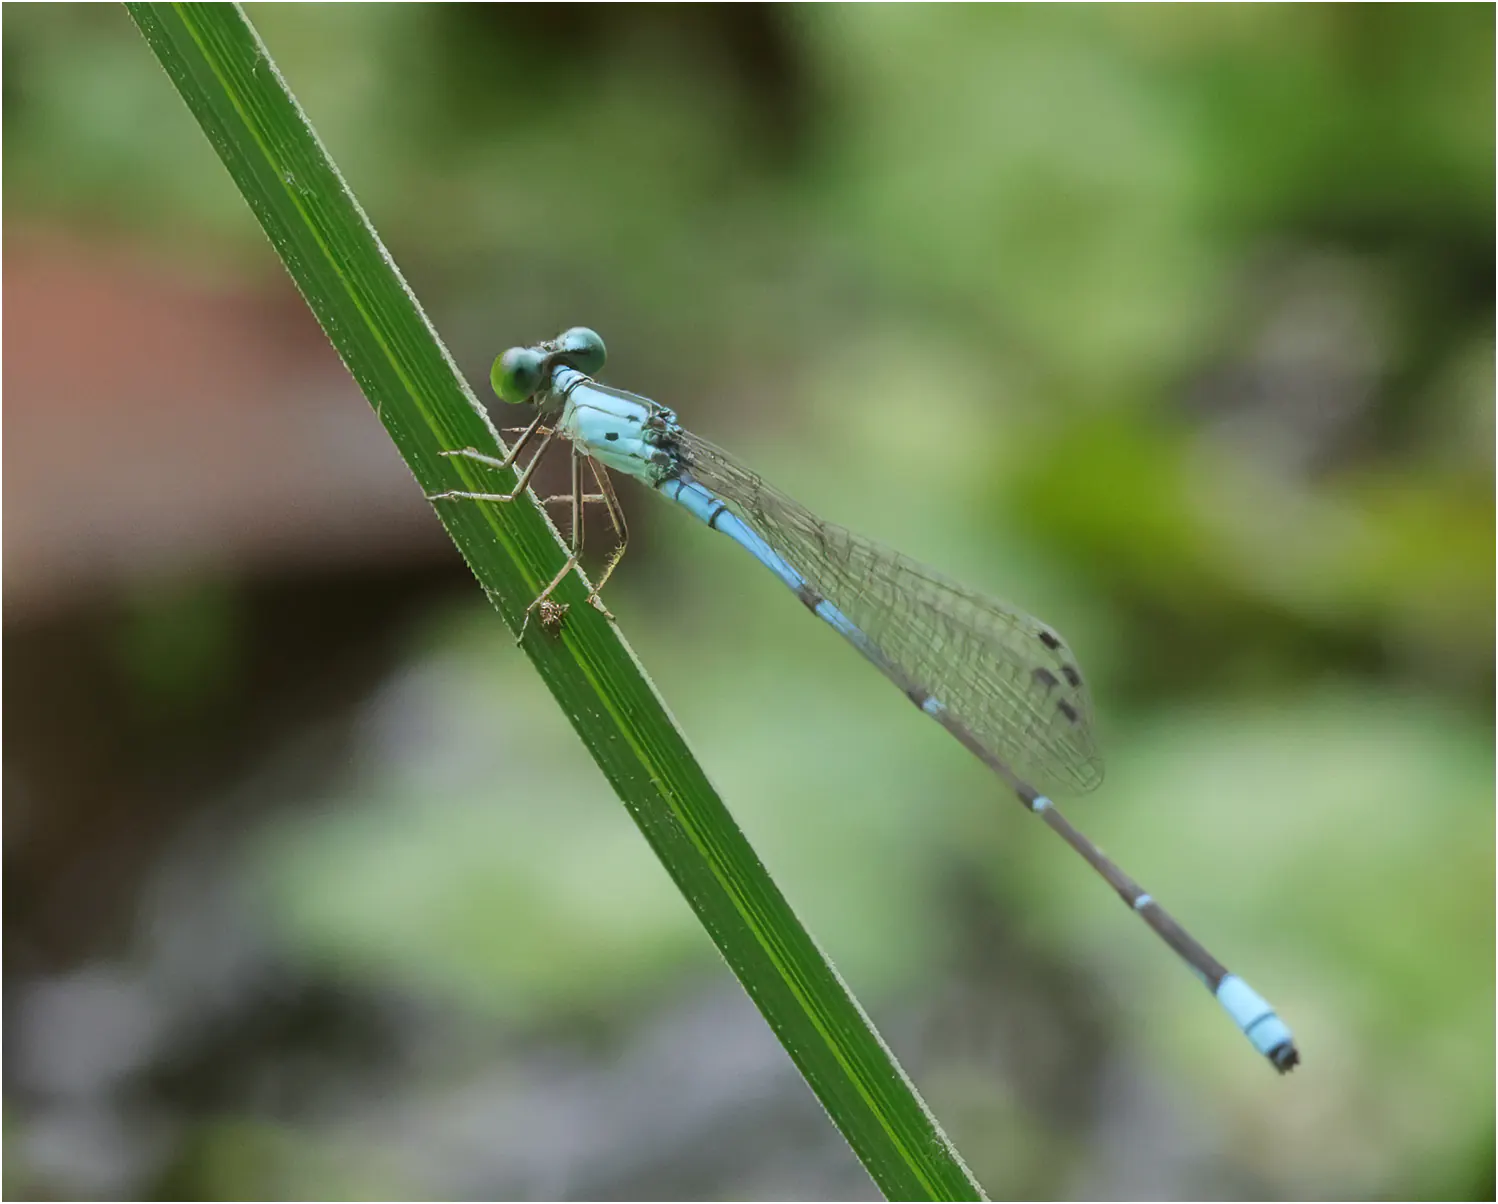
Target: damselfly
[{"x": 1004, "y": 684}]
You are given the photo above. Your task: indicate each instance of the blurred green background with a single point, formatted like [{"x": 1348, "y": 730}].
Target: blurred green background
[{"x": 1172, "y": 324}]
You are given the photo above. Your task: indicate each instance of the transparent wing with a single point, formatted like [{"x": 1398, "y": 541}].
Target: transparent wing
[{"x": 1007, "y": 677}]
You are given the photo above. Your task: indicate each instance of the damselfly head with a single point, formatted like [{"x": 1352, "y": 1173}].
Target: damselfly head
[
  {"x": 518, "y": 373},
  {"x": 582, "y": 349}
]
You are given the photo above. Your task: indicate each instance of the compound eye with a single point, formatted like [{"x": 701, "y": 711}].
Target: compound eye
[
  {"x": 583, "y": 349},
  {"x": 518, "y": 374}
]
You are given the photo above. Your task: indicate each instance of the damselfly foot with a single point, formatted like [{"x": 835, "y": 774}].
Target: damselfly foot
[{"x": 551, "y": 615}]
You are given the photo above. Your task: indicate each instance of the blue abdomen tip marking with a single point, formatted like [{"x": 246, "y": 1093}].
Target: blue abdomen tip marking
[
  {"x": 1252, "y": 1013},
  {"x": 1142, "y": 902},
  {"x": 1040, "y": 803}
]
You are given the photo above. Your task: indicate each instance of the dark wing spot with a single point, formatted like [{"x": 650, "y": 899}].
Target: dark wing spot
[
  {"x": 1068, "y": 710},
  {"x": 612, "y": 436},
  {"x": 1045, "y": 678},
  {"x": 1049, "y": 639},
  {"x": 1069, "y": 672}
]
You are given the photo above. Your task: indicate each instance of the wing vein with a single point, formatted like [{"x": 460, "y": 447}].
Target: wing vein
[{"x": 1007, "y": 677}]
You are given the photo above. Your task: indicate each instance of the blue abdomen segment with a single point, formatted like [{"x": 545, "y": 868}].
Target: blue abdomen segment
[
  {"x": 712, "y": 510},
  {"x": 1252, "y": 1013},
  {"x": 1249, "y": 1010}
]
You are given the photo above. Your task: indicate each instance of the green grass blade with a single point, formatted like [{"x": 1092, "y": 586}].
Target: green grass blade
[{"x": 224, "y": 73}]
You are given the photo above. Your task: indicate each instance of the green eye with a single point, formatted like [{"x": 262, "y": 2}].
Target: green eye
[
  {"x": 517, "y": 374},
  {"x": 583, "y": 349}
]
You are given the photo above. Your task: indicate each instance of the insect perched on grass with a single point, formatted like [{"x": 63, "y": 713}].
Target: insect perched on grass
[{"x": 1004, "y": 684}]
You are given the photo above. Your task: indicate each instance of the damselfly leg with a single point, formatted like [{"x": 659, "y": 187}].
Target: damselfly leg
[
  {"x": 478, "y": 457},
  {"x": 552, "y": 613}
]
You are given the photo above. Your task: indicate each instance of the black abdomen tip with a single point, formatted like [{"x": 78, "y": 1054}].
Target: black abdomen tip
[{"x": 1285, "y": 1057}]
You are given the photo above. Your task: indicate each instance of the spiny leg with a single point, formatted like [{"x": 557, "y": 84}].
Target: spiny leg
[
  {"x": 621, "y": 529},
  {"x": 520, "y": 484},
  {"x": 616, "y": 516},
  {"x": 470, "y": 453},
  {"x": 551, "y": 612},
  {"x": 552, "y": 616}
]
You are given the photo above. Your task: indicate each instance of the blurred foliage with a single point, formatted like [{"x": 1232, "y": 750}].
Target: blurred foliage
[{"x": 1174, "y": 324}]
